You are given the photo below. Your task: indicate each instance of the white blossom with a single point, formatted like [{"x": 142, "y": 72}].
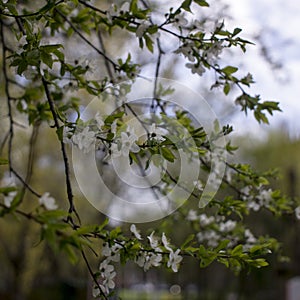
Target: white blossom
[
  {"x": 174, "y": 260},
  {"x": 213, "y": 52},
  {"x": 192, "y": 215},
  {"x": 67, "y": 134},
  {"x": 24, "y": 104},
  {"x": 96, "y": 291},
  {"x": 265, "y": 197},
  {"x": 297, "y": 212},
  {"x": 47, "y": 201},
  {"x": 210, "y": 236},
  {"x": 140, "y": 260},
  {"x": 180, "y": 21},
  {"x": 165, "y": 242},
  {"x": 157, "y": 132},
  {"x": 142, "y": 28},
  {"x": 153, "y": 240},
  {"x": 250, "y": 239},
  {"x": 8, "y": 180},
  {"x": 136, "y": 233},
  {"x": 106, "y": 250},
  {"x": 153, "y": 259},
  {"x": 148, "y": 260},
  {"x": 84, "y": 139},
  {"x": 198, "y": 185},
  {"x": 107, "y": 273},
  {"x": 227, "y": 226},
  {"x": 246, "y": 193},
  {"x": 8, "y": 199},
  {"x": 112, "y": 253},
  {"x": 114, "y": 10},
  {"x": 205, "y": 220},
  {"x": 99, "y": 120},
  {"x": 253, "y": 205},
  {"x": 21, "y": 43},
  {"x": 196, "y": 68},
  {"x": 187, "y": 51},
  {"x": 127, "y": 144},
  {"x": 113, "y": 127}
]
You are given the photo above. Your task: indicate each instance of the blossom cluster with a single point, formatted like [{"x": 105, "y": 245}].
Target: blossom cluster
[
  {"x": 255, "y": 203},
  {"x": 107, "y": 269},
  {"x": 213, "y": 229},
  {"x": 9, "y": 181},
  {"x": 153, "y": 258}
]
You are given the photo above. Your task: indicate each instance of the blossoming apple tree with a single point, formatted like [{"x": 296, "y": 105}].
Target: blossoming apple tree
[{"x": 47, "y": 77}]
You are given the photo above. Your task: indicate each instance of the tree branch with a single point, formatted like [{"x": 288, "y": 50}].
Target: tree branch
[{"x": 64, "y": 153}]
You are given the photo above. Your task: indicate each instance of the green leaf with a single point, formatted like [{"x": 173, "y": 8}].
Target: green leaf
[
  {"x": 236, "y": 31},
  {"x": 59, "y": 132},
  {"x": 47, "y": 7},
  {"x": 226, "y": 88},
  {"x": 47, "y": 59},
  {"x": 133, "y": 6},
  {"x": 22, "y": 67},
  {"x": 201, "y": 3},
  {"x": 229, "y": 70},
  {"x": 149, "y": 43},
  {"x": 260, "y": 262},
  {"x": 73, "y": 258},
  {"x": 259, "y": 116},
  {"x": 187, "y": 241},
  {"x": 6, "y": 190},
  {"x": 167, "y": 154},
  {"x": 222, "y": 245},
  {"x": 186, "y": 5},
  {"x": 238, "y": 250},
  {"x": 3, "y": 161}
]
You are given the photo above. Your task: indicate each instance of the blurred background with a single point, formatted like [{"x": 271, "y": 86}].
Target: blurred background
[{"x": 29, "y": 269}]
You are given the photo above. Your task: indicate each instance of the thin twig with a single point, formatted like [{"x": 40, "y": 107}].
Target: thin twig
[
  {"x": 86, "y": 40},
  {"x": 36, "y": 13},
  {"x": 64, "y": 152},
  {"x": 6, "y": 89},
  {"x": 93, "y": 275},
  {"x": 28, "y": 187},
  {"x": 107, "y": 65},
  {"x": 30, "y": 161}
]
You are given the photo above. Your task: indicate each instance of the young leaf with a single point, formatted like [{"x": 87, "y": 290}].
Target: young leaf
[
  {"x": 229, "y": 70},
  {"x": 167, "y": 154},
  {"x": 201, "y": 3},
  {"x": 186, "y": 5}
]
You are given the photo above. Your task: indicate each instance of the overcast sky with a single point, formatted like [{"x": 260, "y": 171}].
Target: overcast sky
[{"x": 278, "y": 23}]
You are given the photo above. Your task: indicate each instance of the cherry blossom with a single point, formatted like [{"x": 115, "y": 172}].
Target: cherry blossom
[
  {"x": 180, "y": 21},
  {"x": 192, "y": 215},
  {"x": 128, "y": 143},
  {"x": 142, "y": 28},
  {"x": 165, "y": 242},
  {"x": 148, "y": 260},
  {"x": 174, "y": 260},
  {"x": 108, "y": 274},
  {"x": 136, "y": 233},
  {"x": 84, "y": 139},
  {"x": 99, "y": 120},
  {"x": 187, "y": 51},
  {"x": 47, "y": 201},
  {"x": 227, "y": 226},
  {"x": 153, "y": 240},
  {"x": 8, "y": 199},
  {"x": 196, "y": 68}
]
